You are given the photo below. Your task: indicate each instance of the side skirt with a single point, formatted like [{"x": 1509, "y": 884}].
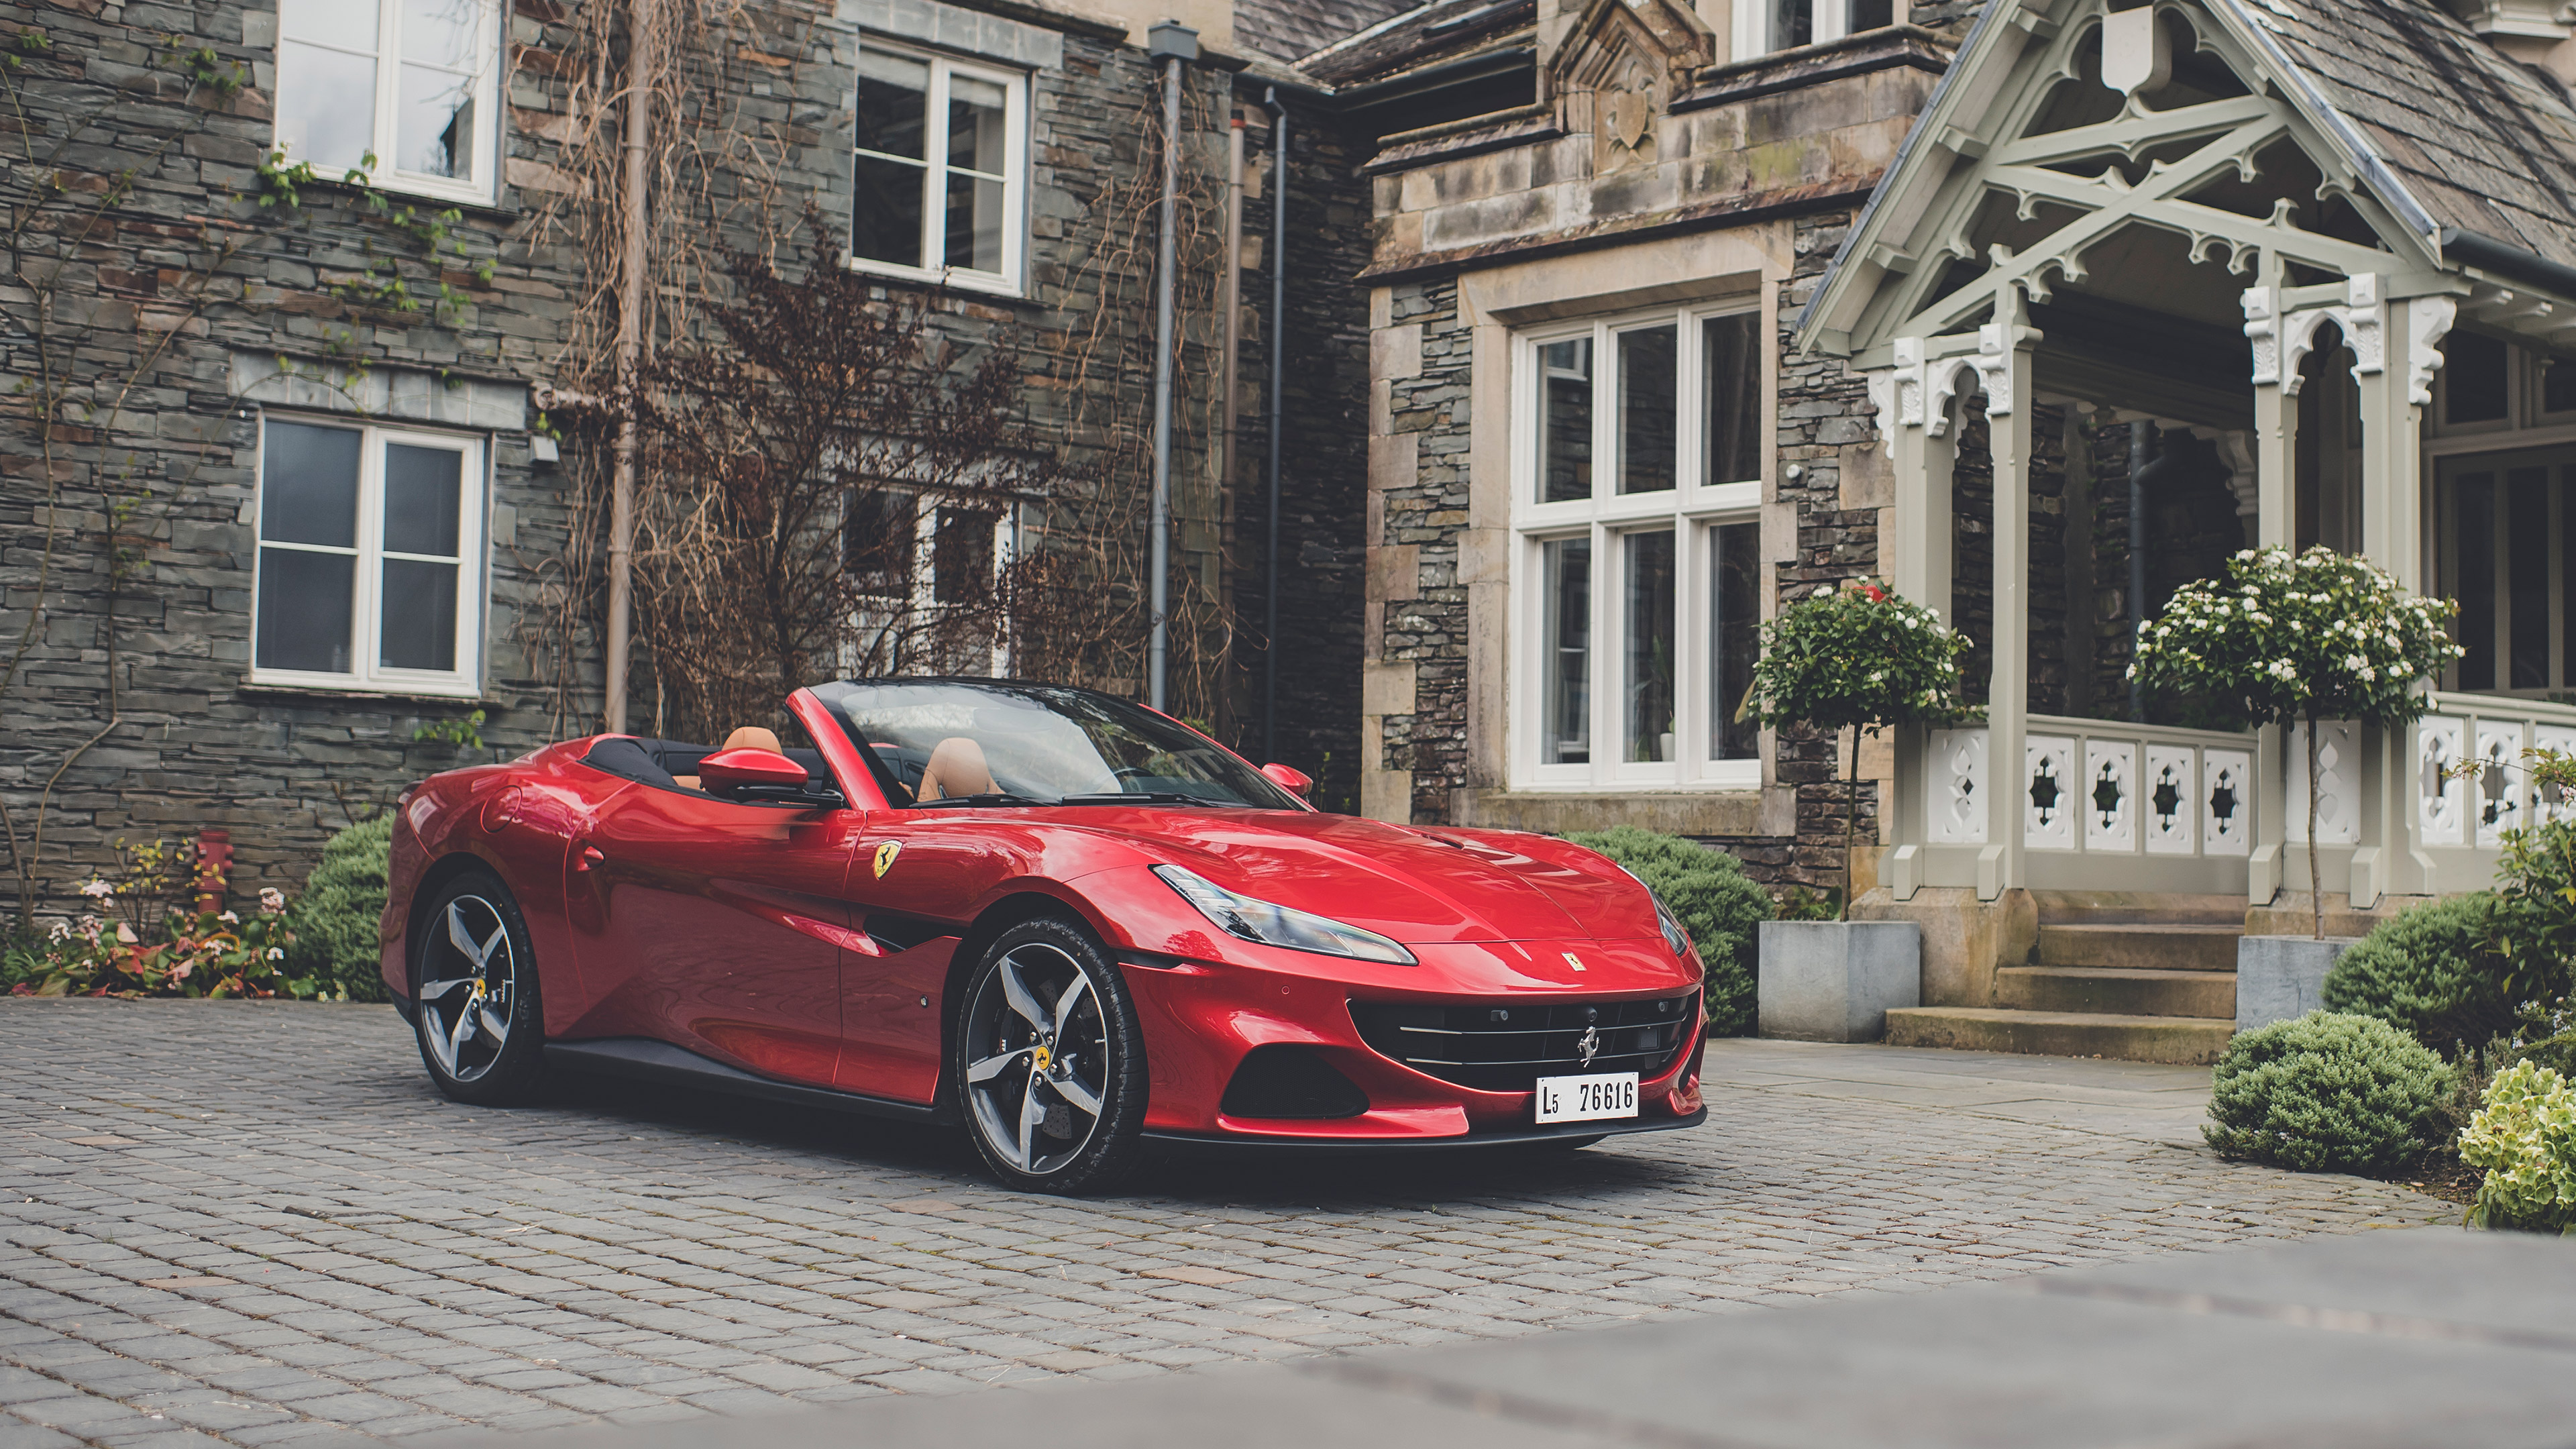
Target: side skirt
[
  {"x": 1522, "y": 1137},
  {"x": 643, "y": 1059}
]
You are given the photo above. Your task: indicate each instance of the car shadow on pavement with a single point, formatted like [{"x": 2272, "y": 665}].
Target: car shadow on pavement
[{"x": 1301, "y": 1180}]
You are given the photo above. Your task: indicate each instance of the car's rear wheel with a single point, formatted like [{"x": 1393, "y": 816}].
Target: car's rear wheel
[
  {"x": 1049, "y": 1062},
  {"x": 474, "y": 994}
]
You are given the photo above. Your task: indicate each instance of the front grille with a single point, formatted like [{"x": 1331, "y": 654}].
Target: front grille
[{"x": 1507, "y": 1047}]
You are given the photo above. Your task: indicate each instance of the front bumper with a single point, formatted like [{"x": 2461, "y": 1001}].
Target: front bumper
[
  {"x": 1201, "y": 1019},
  {"x": 1527, "y": 1136}
]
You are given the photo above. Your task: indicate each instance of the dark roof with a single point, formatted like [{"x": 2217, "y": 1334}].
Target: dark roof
[
  {"x": 1284, "y": 30},
  {"x": 1407, "y": 39},
  {"x": 2479, "y": 141}
]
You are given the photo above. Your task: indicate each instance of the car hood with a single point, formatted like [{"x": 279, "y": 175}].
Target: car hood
[{"x": 1414, "y": 885}]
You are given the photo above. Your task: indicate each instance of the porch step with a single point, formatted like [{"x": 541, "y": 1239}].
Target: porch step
[
  {"x": 2141, "y": 947},
  {"x": 2138, "y": 908},
  {"x": 2192, "y": 1041},
  {"x": 2117, "y": 991}
]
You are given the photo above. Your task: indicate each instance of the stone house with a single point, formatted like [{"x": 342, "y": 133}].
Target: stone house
[{"x": 288, "y": 519}]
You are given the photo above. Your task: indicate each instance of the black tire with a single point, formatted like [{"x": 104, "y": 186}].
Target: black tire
[
  {"x": 473, "y": 916},
  {"x": 1058, "y": 1055}
]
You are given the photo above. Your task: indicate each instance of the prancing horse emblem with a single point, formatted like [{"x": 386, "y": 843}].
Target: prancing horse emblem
[
  {"x": 885, "y": 856},
  {"x": 1588, "y": 1045}
]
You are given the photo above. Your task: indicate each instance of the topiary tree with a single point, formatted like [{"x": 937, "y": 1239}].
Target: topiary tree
[
  {"x": 336, "y": 944},
  {"x": 1713, "y": 899},
  {"x": 2433, "y": 971},
  {"x": 1856, "y": 657},
  {"x": 2293, "y": 638},
  {"x": 2327, "y": 1093}
]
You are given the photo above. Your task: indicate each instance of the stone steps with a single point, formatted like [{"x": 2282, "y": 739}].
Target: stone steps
[
  {"x": 2140, "y": 947},
  {"x": 2191, "y": 1041},
  {"x": 2118, "y": 991}
]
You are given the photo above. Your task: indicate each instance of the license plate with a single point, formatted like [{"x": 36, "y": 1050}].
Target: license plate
[{"x": 1587, "y": 1099}]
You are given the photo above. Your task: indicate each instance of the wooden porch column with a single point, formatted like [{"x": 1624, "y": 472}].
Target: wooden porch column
[
  {"x": 2276, "y": 427},
  {"x": 2003, "y": 361},
  {"x": 2396, "y": 384}
]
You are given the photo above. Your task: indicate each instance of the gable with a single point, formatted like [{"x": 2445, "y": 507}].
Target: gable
[{"x": 2150, "y": 157}]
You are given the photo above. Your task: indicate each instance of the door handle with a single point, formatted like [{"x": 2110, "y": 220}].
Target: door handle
[{"x": 589, "y": 856}]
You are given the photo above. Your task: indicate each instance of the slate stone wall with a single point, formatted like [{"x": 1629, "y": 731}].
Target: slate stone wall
[
  {"x": 1425, "y": 617},
  {"x": 192, "y": 746}
]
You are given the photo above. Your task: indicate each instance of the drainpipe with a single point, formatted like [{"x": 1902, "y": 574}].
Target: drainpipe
[
  {"x": 640, "y": 64},
  {"x": 1278, "y": 335},
  {"x": 1172, "y": 43},
  {"x": 2141, "y": 437},
  {"x": 1226, "y": 382}
]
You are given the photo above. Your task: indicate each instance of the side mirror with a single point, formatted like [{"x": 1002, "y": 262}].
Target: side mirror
[
  {"x": 1294, "y": 781},
  {"x": 732, "y": 769}
]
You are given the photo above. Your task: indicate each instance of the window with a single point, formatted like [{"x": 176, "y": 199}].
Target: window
[
  {"x": 1638, "y": 573},
  {"x": 1767, "y": 25},
  {"x": 926, "y": 577},
  {"x": 939, "y": 166},
  {"x": 370, "y": 559},
  {"x": 2504, "y": 531},
  {"x": 412, "y": 83}
]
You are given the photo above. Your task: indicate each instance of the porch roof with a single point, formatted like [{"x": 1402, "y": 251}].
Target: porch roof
[{"x": 2445, "y": 133}]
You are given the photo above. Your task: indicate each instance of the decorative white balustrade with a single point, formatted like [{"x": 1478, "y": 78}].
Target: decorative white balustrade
[
  {"x": 2101, "y": 787},
  {"x": 2473, "y": 812}
]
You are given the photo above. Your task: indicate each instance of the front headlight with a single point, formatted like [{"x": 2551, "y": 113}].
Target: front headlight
[
  {"x": 1674, "y": 936},
  {"x": 1276, "y": 925}
]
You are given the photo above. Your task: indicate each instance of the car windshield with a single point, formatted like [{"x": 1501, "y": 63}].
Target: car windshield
[{"x": 938, "y": 743}]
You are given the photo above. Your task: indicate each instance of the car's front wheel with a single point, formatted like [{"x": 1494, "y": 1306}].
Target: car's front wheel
[
  {"x": 474, "y": 990},
  {"x": 1049, "y": 1062}
]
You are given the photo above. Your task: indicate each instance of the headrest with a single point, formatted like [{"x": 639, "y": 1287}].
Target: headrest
[{"x": 753, "y": 737}]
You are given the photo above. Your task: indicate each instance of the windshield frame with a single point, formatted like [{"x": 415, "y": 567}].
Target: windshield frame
[{"x": 1156, "y": 728}]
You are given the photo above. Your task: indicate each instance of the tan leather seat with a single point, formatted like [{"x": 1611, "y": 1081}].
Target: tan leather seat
[
  {"x": 956, "y": 768},
  {"x": 748, "y": 737}
]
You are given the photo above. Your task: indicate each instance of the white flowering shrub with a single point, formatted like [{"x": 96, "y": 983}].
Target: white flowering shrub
[
  {"x": 1860, "y": 657},
  {"x": 2291, "y": 637},
  {"x": 2525, "y": 1137}
]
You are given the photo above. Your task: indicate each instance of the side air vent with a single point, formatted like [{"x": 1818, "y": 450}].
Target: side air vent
[{"x": 1292, "y": 1083}]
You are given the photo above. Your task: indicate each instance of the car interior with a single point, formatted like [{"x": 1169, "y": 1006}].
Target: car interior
[{"x": 673, "y": 764}]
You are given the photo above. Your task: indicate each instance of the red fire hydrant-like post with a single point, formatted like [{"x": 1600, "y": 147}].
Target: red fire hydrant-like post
[{"x": 214, "y": 864}]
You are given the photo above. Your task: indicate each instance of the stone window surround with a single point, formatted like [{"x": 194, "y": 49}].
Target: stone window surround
[
  {"x": 260, "y": 28},
  {"x": 396, "y": 399},
  {"x": 1492, "y": 302},
  {"x": 1015, "y": 80},
  {"x": 1690, "y": 510}
]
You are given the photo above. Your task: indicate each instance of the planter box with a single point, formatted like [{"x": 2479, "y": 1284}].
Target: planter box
[
  {"x": 1835, "y": 980},
  {"x": 2282, "y": 978}
]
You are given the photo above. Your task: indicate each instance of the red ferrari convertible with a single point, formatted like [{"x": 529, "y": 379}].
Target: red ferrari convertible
[{"x": 1076, "y": 928}]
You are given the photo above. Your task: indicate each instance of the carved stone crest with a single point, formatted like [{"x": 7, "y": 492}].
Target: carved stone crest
[{"x": 1617, "y": 68}]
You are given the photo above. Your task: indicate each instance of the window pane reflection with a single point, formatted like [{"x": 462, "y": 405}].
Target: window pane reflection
[
  {"x": 435, "y": 130},
  {"x": 326, "y": 106},
  {"x": 1732, "y": 371},
  {"x": 419, "y": 614},
  {"x": 1565, "y": 420},
  {"x": 1565, "y": 731},
  {"x": 1648, "y": 683},
  {"x": 2475, "y": 580},
  {"x": 305, "y": 601},
  {"x": 2527, "y": 578},
  {"x": 1735, "y": 637},
  {"x": 1649, "y": 375}
]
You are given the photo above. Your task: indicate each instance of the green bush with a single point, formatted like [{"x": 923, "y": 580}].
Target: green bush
[
  {"x": 2525, "y": 1138},
  {"x": 2327, "y": 1093},
  {"x": 1710, "y": 895},
  {"x": 2433, "y": 971},
  {"x": 335, "y": 920}
]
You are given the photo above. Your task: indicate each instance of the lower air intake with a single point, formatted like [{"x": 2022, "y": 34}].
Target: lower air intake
[{"x": 1290, "y": 1083}]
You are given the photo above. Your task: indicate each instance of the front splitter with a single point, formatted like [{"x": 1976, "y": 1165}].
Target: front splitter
[{"x": 1516, "y": 1137}]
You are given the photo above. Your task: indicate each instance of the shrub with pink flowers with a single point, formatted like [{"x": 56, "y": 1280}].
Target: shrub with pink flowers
[{"x": 142, "y": 936}]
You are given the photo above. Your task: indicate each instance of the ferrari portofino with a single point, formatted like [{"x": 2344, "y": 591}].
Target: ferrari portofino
[{"x": 1073, "y": 928}]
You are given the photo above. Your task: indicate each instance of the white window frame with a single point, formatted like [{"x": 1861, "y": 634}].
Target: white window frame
[
  {"x": 1692, "y": 509},
  {"x": 473, "y": 586},
  {"x": 923, "y": 598},
  {"x": 935, "y": 169},
  {"x": 485, "y": 188},
  {"x": 1828, "y": 20}
]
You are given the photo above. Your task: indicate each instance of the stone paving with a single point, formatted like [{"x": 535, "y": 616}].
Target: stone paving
[{"x": 255, "y": 1223}]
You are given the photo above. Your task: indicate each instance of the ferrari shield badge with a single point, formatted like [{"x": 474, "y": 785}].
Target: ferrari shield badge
[
  {"x": 885, "y": 856},
  {"x": 1570, "y": 958}
]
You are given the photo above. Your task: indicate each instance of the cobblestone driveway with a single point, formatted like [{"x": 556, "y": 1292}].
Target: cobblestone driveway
[{"x": 256, "y": 1223}]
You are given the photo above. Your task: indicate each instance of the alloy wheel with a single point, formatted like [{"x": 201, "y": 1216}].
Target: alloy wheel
[
  {"x": 468, "y": 976},
  {"x": 1037, "y": 1056}
]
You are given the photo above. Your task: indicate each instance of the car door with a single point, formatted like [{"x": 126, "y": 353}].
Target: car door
[
  {"x": 915, "y": 876},
  {"x": 528, "y": 831},
  {"x": 717, "y": 926}
]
